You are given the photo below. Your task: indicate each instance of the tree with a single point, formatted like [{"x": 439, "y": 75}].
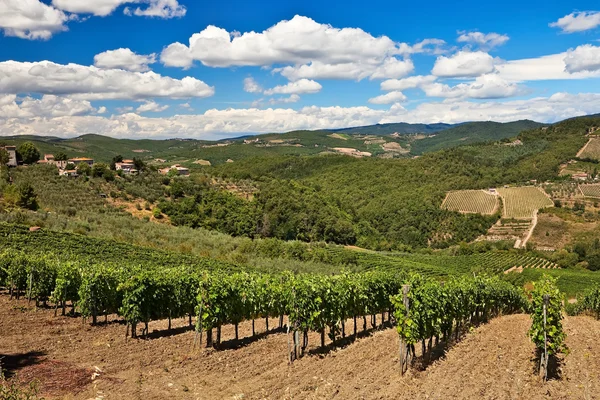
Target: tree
[
  {"x": 139, "y": 164},
  {"x": 28, "y": 153},
  {"x": 84, "y": 169},
  {"x": 98, "y": 170},
  {"x": 4, "y": 157},
  {"x": 116, "y": 159},
  {"x": 26, "y": 196},
  {"x": 61, "y": 156}
]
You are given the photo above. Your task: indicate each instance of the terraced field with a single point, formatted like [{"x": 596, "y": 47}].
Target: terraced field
[
  {"x": 591, "y": 150},
  {"x": 592, "y": 190},
  {"x": 443, "y": 266},
  {"x": 471, "y": 201},
  {"x": 523, "y": 202}
]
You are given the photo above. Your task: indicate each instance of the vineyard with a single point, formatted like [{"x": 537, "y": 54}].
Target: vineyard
[
  {"x": 592, "y": 149},
  {"x": 523, "y": 202},
  {"x": 592, "y": 190},
  {"x": 471, "y": 201}
]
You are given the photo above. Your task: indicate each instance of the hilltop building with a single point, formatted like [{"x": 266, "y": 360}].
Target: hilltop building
[
  {"x": 79, "y": 160},
  {"x": 182, "y": 171},
  {"x": 127, "y": 166},
  {"x": 12, "y": 155}
]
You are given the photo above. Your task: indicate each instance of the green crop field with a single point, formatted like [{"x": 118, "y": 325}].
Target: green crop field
[
  {"x": 471, "y": 201},
  {"x": 522, "y": 202},
  {"x": 592, "y": 190},
  {"x": 592, "y": 149}
]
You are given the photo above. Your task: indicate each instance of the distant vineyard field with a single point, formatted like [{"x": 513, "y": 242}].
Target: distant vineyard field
[
  {"x": 471, "y": 201},
  {"x": 592, "y": 149},
  {"x": 592, "y": 190},
  {"x": 522, "y": 202}
]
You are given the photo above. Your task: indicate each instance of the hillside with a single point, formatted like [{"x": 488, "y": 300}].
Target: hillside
[
  {"x": 401, "y": 128},
  {"x": 470, "y": 133},
  {"x": 376, "y": 140}
]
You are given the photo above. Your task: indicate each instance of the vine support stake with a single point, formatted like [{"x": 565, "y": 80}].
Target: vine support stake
[
  {"x": 404, "y": 352},
  {"x": 544, "y": 360}
]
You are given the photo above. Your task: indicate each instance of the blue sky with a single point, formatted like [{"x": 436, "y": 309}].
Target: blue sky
[{"x": 127, "y": 68}]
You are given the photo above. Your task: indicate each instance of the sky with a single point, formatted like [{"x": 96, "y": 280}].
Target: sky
[{"x": 210, "y": 70}]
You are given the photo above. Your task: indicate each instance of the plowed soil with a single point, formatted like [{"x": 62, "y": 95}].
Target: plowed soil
[{"x": 73, "y": 360}]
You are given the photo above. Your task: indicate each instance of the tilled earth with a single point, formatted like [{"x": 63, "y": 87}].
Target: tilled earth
[{"x": 73, "y": 360}]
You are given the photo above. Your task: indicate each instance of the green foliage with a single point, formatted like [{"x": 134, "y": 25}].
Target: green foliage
[
  {"x": 4, "y": 157},
  {"x": 85, "y": 169},
  {"x": 589, "y": 302},
  {"x": 11, "y": 390},
  {"x": 26, "y": 197},
  {"x": 436, "y": 309},
  {"x": 28, "y": 153},
  {"x": 550, "y": 334},
  {"x": 61, "y": 156}
]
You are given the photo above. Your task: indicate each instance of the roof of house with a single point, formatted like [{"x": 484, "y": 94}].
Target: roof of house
[
  {"x": 81, "y": 159},
  {"x": 10, "y": 147}
]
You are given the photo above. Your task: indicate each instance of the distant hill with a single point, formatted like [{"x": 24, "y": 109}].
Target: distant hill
[
  {"x": 401, "y": 128},
  {"x": 470, "y": 133},
  {"x": 438, "y": 136}
]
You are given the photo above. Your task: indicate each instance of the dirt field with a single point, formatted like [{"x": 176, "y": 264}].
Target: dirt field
[{"x": 492, "y": 362}]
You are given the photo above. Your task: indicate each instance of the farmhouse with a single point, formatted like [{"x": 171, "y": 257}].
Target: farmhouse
[
  {"x": 79, "y": 160},
  {"x": 49, "y": 159},
  {"x": 12, "y": 155},
  {"x": 127, "y": 166},
  {"x": 580, "y": 177},
  {"x": 70, "y": 172},
  {"x": 182, "y": 171}
]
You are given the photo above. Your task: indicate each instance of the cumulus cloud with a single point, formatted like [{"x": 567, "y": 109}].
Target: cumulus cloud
[
  {"x": 583, "y": 58},
  {"x": 463, "y": 64},
  {"x": 489, "y": 86},
  {"x": 305, "y": 48},
  {"x": 550, "y": 67},
  {"x": 102, "y": 8},
  {"x": 484, "y": 41},
  {"x": 388, "y": 98},
  {"x": 124, "y": 59},
  {"x": 578, "y": 21},
  {"x": 251, "y": 86},
  {"x": 159, "y": 9},
  {"x": 407, "y": 83},
  {"x": 214, "y": 124},
  {"x": 298, "y": 87},
  {"x": 294, "y": 98},
  {"x": 151, "y": 106},
  {"x": 48, "y": 106},
  {"x": 92, "y": 83},
  {"x": 30, "y": 19}
]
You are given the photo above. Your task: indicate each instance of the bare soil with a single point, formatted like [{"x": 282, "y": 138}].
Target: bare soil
[{"x": 73, "y": 360}]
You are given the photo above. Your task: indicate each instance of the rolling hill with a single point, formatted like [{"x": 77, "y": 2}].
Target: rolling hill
[{"x": 411, "y": 139}]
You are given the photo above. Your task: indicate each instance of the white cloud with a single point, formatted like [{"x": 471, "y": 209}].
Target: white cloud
[
  {"x": 463, "y": 64},
  {"x": 48, "y": 106},
  {"x": 102, "y": 8},
  {"x": 124, "y": 59},
  {"x": 92, "y": 83},
  {"x": 186, "y": 106},
  {"x": 388, "y": 98},
  {"x": 30, "y": 19},
  {"x": 304, "y": 48},
  {"x": 407, "y": 83},
  {"x": 578, "y": 21},
  {"x": 482, "y": 40},
  {"x": 151, "y": 106},
  {"x": 489, "y": 86},
  {"x": 159, "y": 9},
  {"x": 428, "y": 46},
  {"x": 294, "y": 98},
  {"x": 298, "y": 87},
  {"x": 214, "y": 123},
  {"x": 102, "y": 110},
  {"x": 550, "y": 67},
  {"x": 251, "y": 86},
  {"x": 297, "y": 41},
  {"x": 583, "y": 58}
]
